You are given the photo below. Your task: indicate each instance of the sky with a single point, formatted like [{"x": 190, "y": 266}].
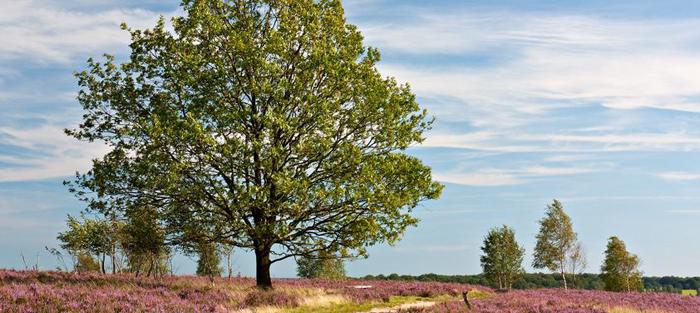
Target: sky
[{"x": 595, "y": 103}]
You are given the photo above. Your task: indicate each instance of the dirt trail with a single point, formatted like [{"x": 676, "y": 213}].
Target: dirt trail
[{"x": 419, "y": 304}]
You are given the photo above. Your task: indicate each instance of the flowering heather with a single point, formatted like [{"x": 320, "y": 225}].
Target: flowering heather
[
  {"x": 381, "y": 290},
  {"x": 32, "y": 291},
  {"x": 574, "y": 301}
]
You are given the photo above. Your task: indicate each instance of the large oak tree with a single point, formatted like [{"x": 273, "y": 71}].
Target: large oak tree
[{"x": 260, "y": 124}]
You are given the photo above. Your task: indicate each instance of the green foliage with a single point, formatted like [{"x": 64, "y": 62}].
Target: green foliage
[
  {"x": 689, "y": 292},
  {"x": 93, "y": 238},
  {"x": 209, "y": 259},
  {"x": 86, "y": 263},
  {"x": 323, "y": 265},
  {"x": 503, "y": 257},
  {"x": 555, "y": 240},
  {"x": 620, "y": 269},
  {"x": 143, "y": 241},
  {"x": 671, "y": 283},
  {"x": 258, "y": 124},
  {"x": 545, "y": 280}
]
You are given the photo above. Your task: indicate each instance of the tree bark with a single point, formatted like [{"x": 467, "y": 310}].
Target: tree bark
[
  {"x": 563, "y": 276},
  {"x": 114, "y": 260},
  {"x": 262, "y": 268}
]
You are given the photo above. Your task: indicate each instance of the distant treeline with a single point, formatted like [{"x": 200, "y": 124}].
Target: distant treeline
[{"x": 544, "y": 280}]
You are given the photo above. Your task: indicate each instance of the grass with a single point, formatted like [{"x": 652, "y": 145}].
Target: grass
[{"x": 350, "y": 307}]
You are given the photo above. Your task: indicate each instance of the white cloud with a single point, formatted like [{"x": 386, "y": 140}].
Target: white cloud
[
  {"x": 39, "y": 32},
  {"x": 480, "y": 178},
  {"x": 506, "y": 177},
  {"x": 54, "y": 153},
  {"x": 539, "y": 68},
  {"x": 679, "y": 176},
  {"x": 552, "y": 171},
  {"x": 515, "y": 142}
]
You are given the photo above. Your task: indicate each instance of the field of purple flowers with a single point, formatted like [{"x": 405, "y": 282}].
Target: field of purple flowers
[
  {"x": 574, "y": 301},
  {"x": 31, "y": 291}
]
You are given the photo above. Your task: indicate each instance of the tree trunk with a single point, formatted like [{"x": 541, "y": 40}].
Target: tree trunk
[
  {"x": 563, "y": 276},
  {"x": 113, "y": 257},
  {"x": 104, "y": 259},
  {"x": 262, "y": 268}
]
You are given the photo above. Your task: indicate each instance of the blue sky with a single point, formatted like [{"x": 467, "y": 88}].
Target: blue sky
[{"x": 596, "y": 103}]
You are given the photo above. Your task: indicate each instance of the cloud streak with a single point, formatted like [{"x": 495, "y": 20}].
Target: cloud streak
[
  {"x": 38, "y": 32},
  {"x": 545, "y": 82},
  {"x": 53, "y": 154},
  {"x": 507, "y": 177}
]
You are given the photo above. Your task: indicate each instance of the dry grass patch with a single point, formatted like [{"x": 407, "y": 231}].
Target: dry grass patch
[
  {"x": 323, "y": 300},
  {"x": 632, "y": 310},
  {"x": 262, "y": 309}
]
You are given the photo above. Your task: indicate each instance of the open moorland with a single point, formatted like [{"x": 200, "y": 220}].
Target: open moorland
[{"x": 32, "y": 291}]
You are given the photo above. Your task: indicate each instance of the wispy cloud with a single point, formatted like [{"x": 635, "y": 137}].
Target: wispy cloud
[
  {"x": 515, "y": 142},
  {"x": 479, "y": 178},
  {"x": 48, "y": 153},
  {"x": 535, "y": 69},
  {"x": 685, "y": 211},
  {"x": 40, "y": 32},
  {"x": 506, "y": 177},
  {"x": 679, "y": 176}
]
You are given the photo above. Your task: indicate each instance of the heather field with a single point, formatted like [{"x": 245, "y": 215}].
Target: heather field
[{"x": 30, "y": 291}]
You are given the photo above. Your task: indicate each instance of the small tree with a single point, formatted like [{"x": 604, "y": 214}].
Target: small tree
[
  {"x": 143, "y": 241},
  {"x": 209, "y": 259},
  {"x": 555, "y": 240},
  {"x": 577, "y": 262},
  {"x": 86, "y": 263},
  {"x": 620, "y": 269},
  {"x": 227, "y": 251},
  {"x": 93, "y": 238},
  {"x": 503, "y": 257},
  {"x": 323, "y": 265}
]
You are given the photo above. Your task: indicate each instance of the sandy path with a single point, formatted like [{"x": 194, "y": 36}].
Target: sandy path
[{"x": 420, "y": 304}]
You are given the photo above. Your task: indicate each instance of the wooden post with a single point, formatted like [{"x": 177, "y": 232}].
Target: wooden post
[{"x": 465, "y": 295}]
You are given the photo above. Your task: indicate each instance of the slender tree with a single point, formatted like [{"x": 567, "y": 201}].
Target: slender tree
[
  {"x": 227, "y": 252},
  {"x": 143, "y": 241},
  {"x": 503, "y": 257},
  {"x": 577, "y": 262},
  {"x": 209, "y": 260},
  {"x": 555, "y": 240},
  {"x": 323, "y": 265},
  {"x": 620, "y": 269},
  {"x": 262, "y": 124},
  {"x": 92, "y": 238}
]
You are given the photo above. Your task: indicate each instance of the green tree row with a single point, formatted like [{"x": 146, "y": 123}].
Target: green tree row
[
  {"x": 558, "y": 250},
  {"x": 588, "y": 281},
  {"x": 135, "y": 244}
]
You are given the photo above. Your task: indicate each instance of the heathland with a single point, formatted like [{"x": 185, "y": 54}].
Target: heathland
[{"x": 35, "y": 291}]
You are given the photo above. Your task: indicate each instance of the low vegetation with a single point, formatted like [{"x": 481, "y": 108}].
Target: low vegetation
[{"x": 33, "y": 291}]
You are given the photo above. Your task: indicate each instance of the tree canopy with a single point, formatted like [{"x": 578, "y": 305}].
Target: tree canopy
[
  {"x": 322, "y": 265},
  {"x": 555, "y": 240},
  {"x": 260, "y": 124},
  {"x": 620, "y": 269},
  {"x": 503, "y": 257}
]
